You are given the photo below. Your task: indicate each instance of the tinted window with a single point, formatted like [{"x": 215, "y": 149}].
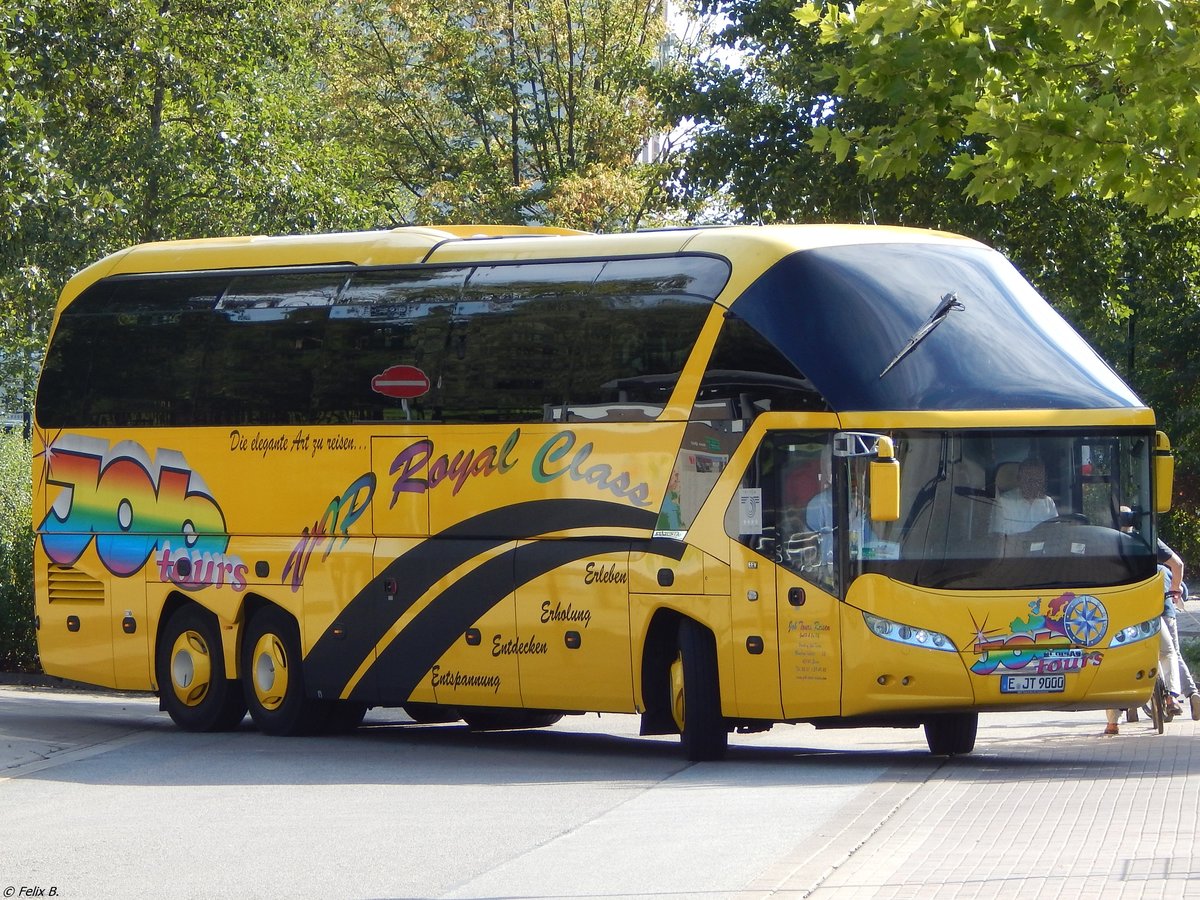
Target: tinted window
[
  {"x": 842, "y": 314},
  {"x": 751, "y": 376},
  {"x": 508, "y": 343},
  {"x": 265, "y": 349},
  {"x": 132, "y": 352},
  {"x": 387, "y": 319}
]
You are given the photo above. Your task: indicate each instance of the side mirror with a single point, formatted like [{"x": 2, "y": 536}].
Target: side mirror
[
  {"x": 885, "y": 482},
  {"x": 1164, "y": 473}
]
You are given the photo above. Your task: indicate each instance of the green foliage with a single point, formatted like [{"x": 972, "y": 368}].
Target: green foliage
[
  {"x": 506, "y": 112},
  {"x": 783, "y": 133},
  {"x": 1191, "y": 654},
  {"x": 17, "y": 650},
  {"x": 137, "y": 120},
  {"x": 1092, "y": 97}
]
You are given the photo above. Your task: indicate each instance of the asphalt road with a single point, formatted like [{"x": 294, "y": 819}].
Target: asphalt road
[
  {"x": 101, "y": 796},
  {"x": 104, "y": 797}
]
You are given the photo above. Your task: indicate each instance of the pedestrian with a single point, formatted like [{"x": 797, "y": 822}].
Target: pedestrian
[{"x": 1169, "y": 559}]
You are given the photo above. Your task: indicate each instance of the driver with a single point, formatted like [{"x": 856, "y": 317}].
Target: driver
[{"x": 1027, "y": 504}]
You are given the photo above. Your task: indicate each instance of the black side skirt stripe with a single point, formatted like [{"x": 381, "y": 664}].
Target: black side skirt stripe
[
  {"x": 334, "y": 659},
  {"x": 434, "y": 630}
]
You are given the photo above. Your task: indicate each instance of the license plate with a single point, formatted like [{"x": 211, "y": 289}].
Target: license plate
[{"x": 1032, "y": 684}]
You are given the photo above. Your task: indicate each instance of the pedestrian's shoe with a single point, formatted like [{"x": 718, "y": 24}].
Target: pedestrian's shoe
[
  {"x": 1173, "y": 708},
  {"x": 1112, "y": 728},
  {"x": 1194, "y": 701}
]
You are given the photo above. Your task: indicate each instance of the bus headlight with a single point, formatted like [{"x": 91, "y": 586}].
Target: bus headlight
[
  {"x": 907, "y": 634},
  {"x": 1134, "y": 633}
]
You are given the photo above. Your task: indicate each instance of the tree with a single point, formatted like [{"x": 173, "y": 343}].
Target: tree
[
  {"x": 1089, "y": 97},
  {"x": 506, "y": 110},
  {"x": 137, "y": 120},
  {"x": 778, "y": 134}
]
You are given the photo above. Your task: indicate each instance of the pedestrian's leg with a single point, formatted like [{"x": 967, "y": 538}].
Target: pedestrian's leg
[
  {"x": 1187, "y": 683},
  {"x": 1168, "y": 666}
]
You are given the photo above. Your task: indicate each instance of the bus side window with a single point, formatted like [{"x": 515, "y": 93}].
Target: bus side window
[
  {"x": 385, "y": 319},
  {"x": 793, "y": 474},
  {"x": 265, "y": 347}
]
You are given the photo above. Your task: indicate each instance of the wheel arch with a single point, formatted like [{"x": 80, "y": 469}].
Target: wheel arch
[
  {"x": 229, "y": 629},
  {"x": 658, "y": 650}
]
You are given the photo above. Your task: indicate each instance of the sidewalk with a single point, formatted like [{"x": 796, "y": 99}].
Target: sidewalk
[{"x": 1046, "y": 806}]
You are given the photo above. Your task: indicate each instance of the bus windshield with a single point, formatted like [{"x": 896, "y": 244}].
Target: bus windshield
[{"x": 1003, "y": 510}]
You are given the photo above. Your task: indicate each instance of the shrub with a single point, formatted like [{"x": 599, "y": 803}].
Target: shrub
[
  {"x": 1190, "y": 648},
  {"x": 18, "y": 651}
]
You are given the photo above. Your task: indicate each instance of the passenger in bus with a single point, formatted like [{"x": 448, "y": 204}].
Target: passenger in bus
[
  {"x": 670, "y": 517},
  {"x": 818, "y": 514},
  {"x": 1024, "y": 506}
]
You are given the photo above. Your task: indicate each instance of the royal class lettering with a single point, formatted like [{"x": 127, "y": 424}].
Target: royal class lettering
[
  {"x": 555, "y": 459},
  {"x": 568, "y": 613},
  {"x": 454, "y": 680},
  {"x": 130, "y": 505},
  {"x": 419, "y": 468},
  {"x": 417, "y": 474},
  {"x": 517, "y": 647},
  {"x": 597, "y": 573}
]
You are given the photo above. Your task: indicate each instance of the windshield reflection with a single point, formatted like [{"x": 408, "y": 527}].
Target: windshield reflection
[{"x": 998, "y": 510}]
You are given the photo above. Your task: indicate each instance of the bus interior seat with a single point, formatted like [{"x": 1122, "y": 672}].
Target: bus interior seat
[{"x": 1005, "y": 478}]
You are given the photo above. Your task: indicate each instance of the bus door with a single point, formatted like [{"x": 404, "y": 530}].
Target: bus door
[{"x": 786, "y": 557}]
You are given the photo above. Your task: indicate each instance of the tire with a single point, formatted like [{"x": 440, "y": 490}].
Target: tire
[
  {"x": 344, "y": 716},
  {"x": 190, "y": 669},
  {"x": 273, "y": 677},
  {"x": 952, "y": 734},
  {"x": 695, "y": 694},
  {"x": 484, "y": 719},
  {"x": 1158, "y": 705}
]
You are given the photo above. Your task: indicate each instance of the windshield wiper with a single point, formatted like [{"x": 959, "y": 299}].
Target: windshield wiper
[{"x": 948, "y": 304}]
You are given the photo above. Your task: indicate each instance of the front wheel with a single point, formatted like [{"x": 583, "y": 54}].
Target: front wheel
[
  {"x": 190, "y": 669},
  {"x": 1158, "y": 705},
  {"x": 951, "y": 734},
  {"x": 696, "y": 694},
  {"x": 273, "y": 677}
]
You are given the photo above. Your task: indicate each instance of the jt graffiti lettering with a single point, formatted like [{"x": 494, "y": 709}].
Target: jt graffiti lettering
[{"x": 341, "y": 513}]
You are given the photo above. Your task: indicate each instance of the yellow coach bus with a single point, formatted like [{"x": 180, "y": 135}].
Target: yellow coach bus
[{"x": 722, "y": 478}]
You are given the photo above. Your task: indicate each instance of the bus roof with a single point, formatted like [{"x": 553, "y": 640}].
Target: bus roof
[
  {"x": 412, "y": 244},
  {"x": 451, "y": 244}
]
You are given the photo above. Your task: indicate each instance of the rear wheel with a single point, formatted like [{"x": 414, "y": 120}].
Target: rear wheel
[
  {"x": 190, "y": 669},
  {"x": 696, "y": 694},
  {"x": 273, "y": 677},
  {"x": 951, "y": 734}
]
